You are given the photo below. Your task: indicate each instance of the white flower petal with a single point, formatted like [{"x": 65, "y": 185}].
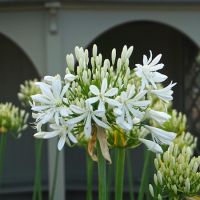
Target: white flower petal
[
  {"x": 64, "y": 111},
  {"x": 92, "y": 100},
  {"x": 45, "y": 88},
  {"x": 39, "y": 134},
  {"x": 72, "y": 138},
  {"x": 99, "y": 122},
  {"x": 112, "y": 102},
  {"x": 40, "y": 99},
  {"x": 77, "y": 109},
  {"x": 61, "y": 142},
  {"x": 70, "y": 77},
  {"x": 101, "y": 106},
  {"x": 88, "y": 127},
  {"x": 123, "y": 124},
  {"x": 77, "y": 119},
  {"x": 152, "y": 146},
  {"x": 111, "y": 92},
  {"x": 50, "y": 134},
  {"x": 104, "y": 86},
  {"x": 94, "y": 89},
  {"x": 56, "y": 87}
]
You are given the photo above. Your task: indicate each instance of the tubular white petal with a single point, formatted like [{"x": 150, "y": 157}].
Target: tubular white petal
[
  {"x": 104, "y": 86},
  {"x": 160, "y": 135},
  {"x": 99, "y": 122},
  {"x": 61, "y": 142},
  {"x": 156, "y": 60},
  {"x": 77, "y": 119},
  {"x": 39, "y": 108},
  {"x": 92, "y": 100},
  {"x": 39, "y": 134},
  {"x": 64, "y": 112},
  {"x": 56, "y": 87},
  {"x": 72, "y": 138},
  {"x": 40, "y": 99},
  {"x": 45, "y": 88},
  {"x": 111, "y": 92},
  {"x": 94, "y": 89},
  {"x": 101, "y": 106},
  {"x": 152, "y": 146},
  {"x": 70, "y": 77},
  {"x": 123, "y": 124},
  {"x": 64, "y": 90},
  {"x": 88, "y": 126},
  {"x": 159, "y": 78},
  {"x": 76, "y": 109},
  {"x": 113, "y": 102},
  {"x": 158, "y": 116},
  {"x": 50, "y": 134}
]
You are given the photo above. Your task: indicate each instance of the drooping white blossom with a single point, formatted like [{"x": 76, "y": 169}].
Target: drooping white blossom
[
  {"x": 165, "y": 93},
  {"x": 160, "y": 136}
]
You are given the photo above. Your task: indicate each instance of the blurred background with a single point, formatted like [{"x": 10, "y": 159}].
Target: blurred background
[{"x": 36, "y": 35}]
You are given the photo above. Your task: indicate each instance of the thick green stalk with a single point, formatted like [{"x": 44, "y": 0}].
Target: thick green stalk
[
  {"x": 2, "y": 151},
  {"x": 101, "y": 173},
  {"x": 130, "y": 175},
  {"x": 90, "y": 167},
  {"x": 119, "y": 176},
  {"x": 145, "y": 175},
  {"x": 110, "y": 174},
  {"x": 54, "y": 176},
  {"x": 37, "y": 192}
]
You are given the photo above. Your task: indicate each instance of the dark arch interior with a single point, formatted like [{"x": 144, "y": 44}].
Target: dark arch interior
[
  {"x": 19, "y": 169},
  {"x": 179, "y": 53}
]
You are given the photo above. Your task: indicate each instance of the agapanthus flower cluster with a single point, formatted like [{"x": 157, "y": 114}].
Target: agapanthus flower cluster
[
  {"x": 27, "y": 89},
  {"x": 12, "y": 119},
  {"x": 177, "y": 174},
  {"x": 103, "y": 94}
]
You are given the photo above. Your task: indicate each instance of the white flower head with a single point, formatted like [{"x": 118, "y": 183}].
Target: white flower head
[
  {"x": 103, "y": 95},
  {"x": 50, "y": 104},
  {"x": 87, "y": 115},
  {"x": 148, "y": 71}
]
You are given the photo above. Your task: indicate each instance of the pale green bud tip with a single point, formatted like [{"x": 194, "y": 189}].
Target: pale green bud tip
[{"x": 151, "y": 190}]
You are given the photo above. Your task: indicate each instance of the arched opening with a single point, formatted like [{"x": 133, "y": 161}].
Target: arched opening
[
  {"x": 19, "y": 168},
  {"x": 179, "y": 55}
]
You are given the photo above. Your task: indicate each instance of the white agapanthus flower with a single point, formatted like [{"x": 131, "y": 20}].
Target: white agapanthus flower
[
  {"x": 64, "y": 131},
  {"x": 160, "y": 136},
  {"x": 87, "y": 115},
  {"x": 148, "y": 71},
  {"x": 165, "y": 93},
  {"x": 50, "y": 104},
  {"x": 129, "y": 108},
  {"x": 103, "y": 95}
]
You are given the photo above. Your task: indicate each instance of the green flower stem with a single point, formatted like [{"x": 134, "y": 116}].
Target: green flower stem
[
  {"x": 119, "y": 176},
  {"x": 145, "y": 175},
  {"x": 2, "y": 151},
  {"x": 110, "y": 175},
  {"x": 90, "y": 167},
  {"x": 101, "y": 173},
  {"x": 37, "y": 192},
  {"x": 130, "y": 175},
  {"x": 55, "y": 176}
]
